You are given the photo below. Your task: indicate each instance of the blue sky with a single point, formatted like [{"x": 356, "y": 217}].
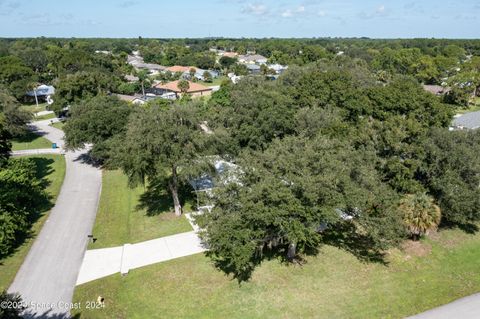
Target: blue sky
[{"x": 241, "y": 18}]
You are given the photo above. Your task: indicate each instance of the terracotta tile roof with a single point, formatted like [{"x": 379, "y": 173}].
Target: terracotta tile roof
[
  {"x": 178, "y": 68},
  {"x": 230, "y": 54},
  {"x": 173, "y": 86}
]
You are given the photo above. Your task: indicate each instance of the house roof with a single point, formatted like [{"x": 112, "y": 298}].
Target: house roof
[
  {"x": 129, "y": 98},
  {"x": 253, "y": 67},
  {"x": 42, "y": 90},
  {"x": 252, "y": 58},
  {"x": 131, "y": 78},
  {"x": 468, "y": 120},
  {"x": 173, "y": 86},
  {"x": 230, "y": 54},
  {"x": 436, "y": 89},
  {"x": 179, "y": 68}
]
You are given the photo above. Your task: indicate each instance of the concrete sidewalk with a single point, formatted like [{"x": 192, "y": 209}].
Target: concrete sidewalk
[
  {"x": 40, "y": 151},
  {"x": 99, "y": 263}
]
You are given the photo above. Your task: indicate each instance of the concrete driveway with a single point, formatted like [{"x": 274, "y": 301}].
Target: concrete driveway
[{"x": 47, "y": 277}]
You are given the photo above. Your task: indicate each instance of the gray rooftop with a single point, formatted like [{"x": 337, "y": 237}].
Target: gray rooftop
[{"x": 468, "y": 120}]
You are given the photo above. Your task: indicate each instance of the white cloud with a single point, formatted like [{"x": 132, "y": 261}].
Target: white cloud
[
  {"x": 380, "y": 11},
  {"x": 287, "y": 13},
  {"x": 256, "y": 9},
  {"x": 321, "y": 13}
]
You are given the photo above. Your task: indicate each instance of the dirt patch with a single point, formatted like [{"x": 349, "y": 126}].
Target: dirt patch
[{"x": 415, "y": 249}]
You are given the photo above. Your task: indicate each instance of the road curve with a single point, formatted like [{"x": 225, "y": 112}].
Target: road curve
[{"x": 47, "y": 277}]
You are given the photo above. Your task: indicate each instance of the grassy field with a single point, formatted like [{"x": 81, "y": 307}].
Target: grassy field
[
  {"x": 58, "y": 125},
  {"x": 33, "y": 108},
  {"x": 119, "y": 221},
  {"x": 473, "y": 107},
  {"x": 215, "y": 82},
  {"x": 333, "y": 284},
  {"x": 52, "y": 169},
  {"x": 30, "y": 141},
  {"x": 45, "y": 117}
]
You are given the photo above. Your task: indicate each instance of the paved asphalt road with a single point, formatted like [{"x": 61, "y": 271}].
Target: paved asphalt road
[
  {"x": 465, "y": 308},
  {"x": 48, "y": 274}
]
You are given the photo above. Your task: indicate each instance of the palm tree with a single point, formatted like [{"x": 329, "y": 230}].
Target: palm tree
[
  {"x": 142, "y": 76},
  {"x": 420, "y": 214}
]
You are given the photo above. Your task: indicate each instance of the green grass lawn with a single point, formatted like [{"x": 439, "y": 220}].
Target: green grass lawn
[
  {"x": 33, "y": 108},
  {"x": 30, "y": 141},
  {"x": 333, "y": 284},
  {"x": 472, "y": 108},
  {"x": 51, "y": 168},
  {"x": 119, "y": 221},
  {"x": 58, "y": 125},
  {"x": 45, "y": 117},
  {"x": 214, "y": 82}
]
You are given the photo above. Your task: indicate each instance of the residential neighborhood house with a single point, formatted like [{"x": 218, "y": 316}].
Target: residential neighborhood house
[
  {"x": 436, "y": 89},
  {"x": 195, "y": 89},
  {"x": 134, "y": 99},
  {"x": 42, "y": 92},
  {"x": 179, "y": 69},
  {"x": 252, "y": 59},
  {"x": 199, "y": 74},
  {"x": 137, "y": 62}
]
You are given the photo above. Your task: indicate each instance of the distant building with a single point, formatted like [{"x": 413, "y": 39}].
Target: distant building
[
  {"x": 131, "y": 78},
  {"x": 253, "y": 68},
  {"x": 252, "y": 59},
  {"x": 436, "y": 89},
  {"x": 278, "y": 68},
  {"x": 134, "y": 99},
  {"x": 137, "y": 62},
  {"x": 229, "y": 54},
  {"x": 199, "y": 74},
  {"x": 195, "y": 89},
  {"x": 42, "y": 92},
  {"x": 179, "y": 68},
  {"x": 234, "y": 78}
]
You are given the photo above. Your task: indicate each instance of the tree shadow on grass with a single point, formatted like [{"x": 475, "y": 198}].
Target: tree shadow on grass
[
  {"x": 157, "y": 199},
  {"x": 468, "y": 228},
  {"x": 278, "y": 253},
  {"x": 344, "y": 235},
  {"x": 44, "y": 168},
  {"x": 28, "y": 137}
]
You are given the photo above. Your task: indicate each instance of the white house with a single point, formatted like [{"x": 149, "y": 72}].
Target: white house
[{"x": 252, "y": 59}]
